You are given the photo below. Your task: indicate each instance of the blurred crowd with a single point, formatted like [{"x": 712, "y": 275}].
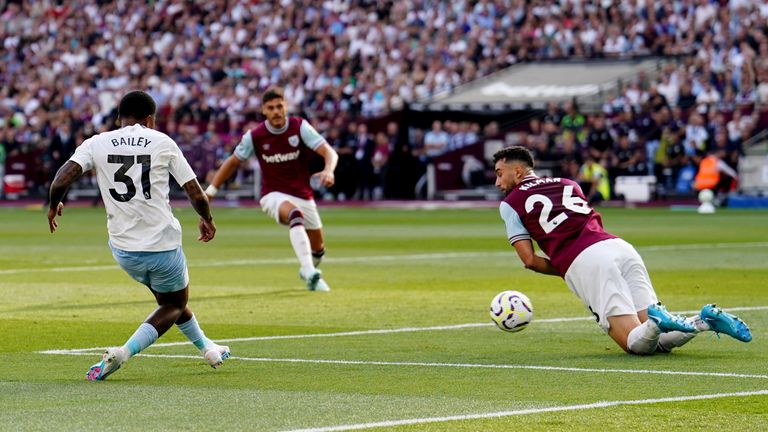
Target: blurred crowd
[
  {"x": 65, "y": 64},
  {"x": 658, "y": 139}
]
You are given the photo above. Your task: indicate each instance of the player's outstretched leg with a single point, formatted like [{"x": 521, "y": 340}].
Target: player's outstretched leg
[
  {"x": 720, "y": 321},
  {"x": 113, "y": 358},
  {"x": 171, "y": 306},
  {"x": 213, "y": 353},
  {"x": 645, "y": 338},
  {"x": 110, "y": 362}
]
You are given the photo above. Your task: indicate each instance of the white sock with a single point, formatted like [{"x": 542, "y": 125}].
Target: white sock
[
  {"x": 643, "y": 339},
  {"x": 300, "y": 243},
  {"x": 674, "y": 339}
]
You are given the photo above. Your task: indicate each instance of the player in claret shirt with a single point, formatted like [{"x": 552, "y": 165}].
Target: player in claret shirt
[
  {"x": 284, "y": 147},
  {"x": 604, "y": 271}
]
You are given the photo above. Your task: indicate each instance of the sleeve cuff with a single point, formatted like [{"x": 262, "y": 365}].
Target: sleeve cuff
[{"x": 517, "y": 238}]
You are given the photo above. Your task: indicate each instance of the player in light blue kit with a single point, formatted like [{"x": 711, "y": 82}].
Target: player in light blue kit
[{"x": 133, "y": 165}]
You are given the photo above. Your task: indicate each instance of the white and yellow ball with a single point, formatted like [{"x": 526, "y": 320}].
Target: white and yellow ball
[{"x": 512, "y": 311}]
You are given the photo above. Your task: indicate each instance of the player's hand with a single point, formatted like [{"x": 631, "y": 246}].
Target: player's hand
[
  {"x": 327, "y": 178},
  {"x": 52, "y": 213},
  {"x": 207, "y": 230}
]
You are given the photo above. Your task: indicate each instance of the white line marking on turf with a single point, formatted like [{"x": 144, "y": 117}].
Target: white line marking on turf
[
  {"x": 480, "y": 416},
  {"x": 382, "y": 331},
  {"x": 442, "y": 365},
  {"x": 379, "y": 258}
]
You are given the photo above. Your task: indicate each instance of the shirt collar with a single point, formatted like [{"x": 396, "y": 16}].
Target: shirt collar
[{"x": 274, "y": 131}]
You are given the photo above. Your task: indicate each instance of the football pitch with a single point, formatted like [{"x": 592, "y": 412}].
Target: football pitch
[{"x": 403, "y": 342}]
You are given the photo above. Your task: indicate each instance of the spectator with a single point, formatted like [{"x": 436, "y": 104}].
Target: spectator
[
  {"x": 379, "y": 162},
  {"x": 696, "y": 136},
  {"x": 675, "y": 158},
  {"x": 593, "y": 178},
  {"x": 364, "y": 147},
  {"x": 436, "y": 140},
  {"x": 707, "y": 99},
  {"x": 206, "y": 65},
  {"x": 622, "y": 157},
  {"x": 599, "y": 140},
  {"x": 573, "y": 121},
  {"x": 686, "y": 99},
  {"x": 2, "y": 169}
]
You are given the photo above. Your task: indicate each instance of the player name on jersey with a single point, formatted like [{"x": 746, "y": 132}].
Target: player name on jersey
[
  {"x": 130, "y": 141},
  {"x": 539, "y": 181}
]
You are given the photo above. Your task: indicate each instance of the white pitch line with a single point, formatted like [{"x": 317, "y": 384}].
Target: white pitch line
[
  {"x": 380, "y": 331},
  {"x": 274, "y": 261},
  {"x": 480, "y": 416},
  {"x": 444, "y": 365},
  {"x": 379, "y": 258}
]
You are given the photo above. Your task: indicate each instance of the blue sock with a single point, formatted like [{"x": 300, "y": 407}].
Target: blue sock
[
  {"x": 194, "y": 333},
  {"x": 144, "y": 336}
]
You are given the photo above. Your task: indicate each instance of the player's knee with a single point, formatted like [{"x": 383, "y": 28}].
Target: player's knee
[{"x": 295, "y": 218}]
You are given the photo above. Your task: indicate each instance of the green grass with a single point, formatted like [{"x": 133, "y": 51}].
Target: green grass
[{"x": 64, "y": 291}]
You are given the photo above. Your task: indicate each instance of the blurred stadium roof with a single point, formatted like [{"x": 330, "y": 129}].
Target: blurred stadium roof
[{"x": 532, "y": 85}]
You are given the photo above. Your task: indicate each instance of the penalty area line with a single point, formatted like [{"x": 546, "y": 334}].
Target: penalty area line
[
  {"x": 380, "y": 331},
  {"x": 482, "y": 416},
  {"x": 445, "y": 365}
]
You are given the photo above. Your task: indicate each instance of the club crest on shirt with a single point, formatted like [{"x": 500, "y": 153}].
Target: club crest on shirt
[
  {"x": 265, "y": 146},
  {"x": 293, "y": 140}
]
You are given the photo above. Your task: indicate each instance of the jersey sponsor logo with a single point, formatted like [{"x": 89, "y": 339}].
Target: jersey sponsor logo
[
  {"x": 281, "y": 157},
  {"x": 293, "y": 141}
]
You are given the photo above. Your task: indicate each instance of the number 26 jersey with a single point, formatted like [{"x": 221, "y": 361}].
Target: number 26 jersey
[
  {"x": 133, "y": 165},
  {"x": 554, "y": 213}
]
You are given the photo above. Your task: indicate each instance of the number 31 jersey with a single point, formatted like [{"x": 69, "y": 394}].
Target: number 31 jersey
[
  {"x": 132, "y": 166},
  {"x": 554, "y": 213}
]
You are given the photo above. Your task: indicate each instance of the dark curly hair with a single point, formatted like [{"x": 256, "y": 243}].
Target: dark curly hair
[{"x": 514, "y": 153}]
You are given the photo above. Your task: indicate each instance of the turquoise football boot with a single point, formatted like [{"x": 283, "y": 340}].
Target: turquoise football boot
[
  {"x": 723, "y": 322},
  {"x": 668, "y": 322}
]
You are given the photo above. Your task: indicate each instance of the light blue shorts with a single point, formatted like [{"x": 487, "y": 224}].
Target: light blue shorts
[{"x": 162, "y": 271}]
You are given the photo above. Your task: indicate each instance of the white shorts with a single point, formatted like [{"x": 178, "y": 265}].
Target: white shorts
[
  {"x": 270, "y": 204},
  {"x": 610, "y": 279}
]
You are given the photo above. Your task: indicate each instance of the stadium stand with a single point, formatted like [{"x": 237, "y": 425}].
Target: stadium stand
[{"x": 344, "y": 64}]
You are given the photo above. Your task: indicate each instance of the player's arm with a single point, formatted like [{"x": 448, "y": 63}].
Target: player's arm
[
  {"x": 200, "y": 203},
  {"x": 243, "y": 151},
  {"x": 67, "y": 174},
  {"x": 224, "y": 172},
  {"x": 316, "y": 142},
  {"x": 532, "y": 261},
  {"x": 331, "y": 158}
]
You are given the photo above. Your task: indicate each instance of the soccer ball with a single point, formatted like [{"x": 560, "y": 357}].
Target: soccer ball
[{"x": 512, "y": 311}]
